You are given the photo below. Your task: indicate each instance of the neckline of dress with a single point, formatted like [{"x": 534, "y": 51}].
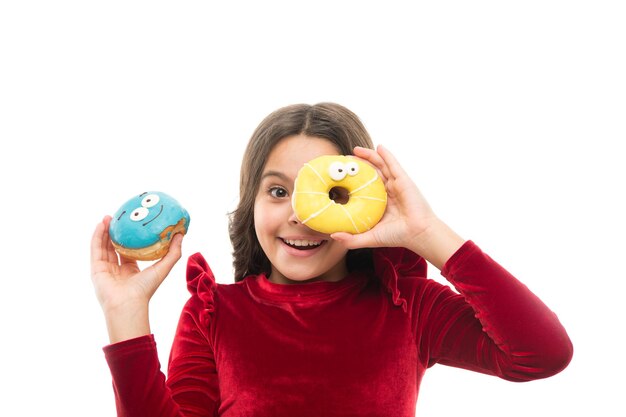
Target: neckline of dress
[{"x": 303, "y": 292}]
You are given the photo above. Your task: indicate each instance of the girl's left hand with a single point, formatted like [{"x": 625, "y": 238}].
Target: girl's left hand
[{"x": 408, "y": 214}]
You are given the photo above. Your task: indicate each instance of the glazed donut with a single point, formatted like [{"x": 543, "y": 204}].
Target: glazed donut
[
  {"x": 337, "y": 193},
  {"x": 143, "y": 227}
]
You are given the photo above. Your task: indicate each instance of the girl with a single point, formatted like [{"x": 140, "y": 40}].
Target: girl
[{"x": 317, "y": 324}]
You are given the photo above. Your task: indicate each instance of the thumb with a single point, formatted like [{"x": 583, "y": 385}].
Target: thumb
[
  {"x": 165, "y": 265},
  {"x": 361, "y": 240}
]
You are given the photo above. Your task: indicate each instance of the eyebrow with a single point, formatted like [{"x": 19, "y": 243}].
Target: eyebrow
[{"x": 274, "y": 174}]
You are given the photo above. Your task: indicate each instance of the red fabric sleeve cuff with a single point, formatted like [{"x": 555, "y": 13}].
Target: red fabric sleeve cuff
[
  {"x": 458, "y": 258},
  {"x": 130, "y": 346}
]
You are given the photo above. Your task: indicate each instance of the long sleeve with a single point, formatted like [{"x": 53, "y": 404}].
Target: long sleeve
[
  {"x": 191, "y": 389},
  {"x": 495, "y": 325},
  {"x": 192, "y": 375},
  {"x": 138, "y": 383},
  {"x": 141, "y": 388}
]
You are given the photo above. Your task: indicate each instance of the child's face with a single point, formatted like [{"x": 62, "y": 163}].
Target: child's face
[{"x": 296, "y": 252}]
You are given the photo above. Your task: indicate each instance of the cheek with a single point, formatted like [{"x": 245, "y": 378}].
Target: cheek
[
  {"x": 258, "y": 218},
  {"x": 263, "y": 221}
]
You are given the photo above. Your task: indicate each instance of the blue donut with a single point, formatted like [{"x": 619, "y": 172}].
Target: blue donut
[{"x": 143, "y": 226}]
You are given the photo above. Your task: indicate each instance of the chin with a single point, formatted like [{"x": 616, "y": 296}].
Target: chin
[{"x": 298, "y": 276}]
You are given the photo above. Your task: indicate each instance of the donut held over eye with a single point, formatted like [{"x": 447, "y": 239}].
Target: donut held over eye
[
  {"x": 338, "y": 193},
  {"x": 143, "y": 227}
]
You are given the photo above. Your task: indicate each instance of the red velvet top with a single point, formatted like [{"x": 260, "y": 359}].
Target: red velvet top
[{"x": 357, "y": 347}]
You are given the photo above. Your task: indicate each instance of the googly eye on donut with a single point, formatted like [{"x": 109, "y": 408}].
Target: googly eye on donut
[
  {"x": 142, "y": 228},
  {"x": 338, "y": 193}
]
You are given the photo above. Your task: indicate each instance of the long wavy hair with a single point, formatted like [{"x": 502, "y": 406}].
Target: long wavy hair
[{"x": 324, "y": 120}]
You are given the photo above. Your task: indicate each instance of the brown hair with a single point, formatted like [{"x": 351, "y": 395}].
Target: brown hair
[{"x": 324, "y": 120}]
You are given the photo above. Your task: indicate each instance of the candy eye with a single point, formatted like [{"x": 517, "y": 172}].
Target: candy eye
[
  {"x": 150, "y": 200},
  {"x": 352, "y": 168},
  {"x": 337, "y": 171},
  {"x": 139, "y": 213}
]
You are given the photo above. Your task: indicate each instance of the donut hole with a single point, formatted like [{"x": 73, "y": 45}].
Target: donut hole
[{"x": 339, "y": 195}]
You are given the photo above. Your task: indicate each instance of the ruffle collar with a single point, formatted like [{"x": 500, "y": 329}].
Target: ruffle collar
[{"x": 389, "y": 265}]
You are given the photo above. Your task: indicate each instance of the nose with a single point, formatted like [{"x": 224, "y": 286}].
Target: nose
[{"x": 293, "y": 219}]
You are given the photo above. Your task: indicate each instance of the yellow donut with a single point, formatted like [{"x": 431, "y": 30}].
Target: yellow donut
[{"x": 337, "y": 193}]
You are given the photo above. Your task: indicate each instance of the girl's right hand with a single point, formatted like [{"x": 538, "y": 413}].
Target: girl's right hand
[{"x": 123, "y": 290}]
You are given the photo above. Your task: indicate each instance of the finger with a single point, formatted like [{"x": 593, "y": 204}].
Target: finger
[
  {"x": 96, "y": 243},
  {"x": 373, "y": 158},
  {"x": 101, "y": 247},
  {"x": 165, "y": 265},
  {"x": 391, "y": 162},
  {"x": 107, "y": 245}
]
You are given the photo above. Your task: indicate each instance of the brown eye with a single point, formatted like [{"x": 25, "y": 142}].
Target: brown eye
[{"x": 278, "y": 192}]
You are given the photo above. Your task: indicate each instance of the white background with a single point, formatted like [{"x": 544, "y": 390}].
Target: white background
[{"x": 508, "y": 115}]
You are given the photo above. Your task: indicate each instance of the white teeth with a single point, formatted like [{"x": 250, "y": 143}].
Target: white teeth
[{"x": 300, "y": 242}]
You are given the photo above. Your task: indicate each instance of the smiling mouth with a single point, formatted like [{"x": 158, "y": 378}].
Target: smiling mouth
[
  {"x": 151, "y": 220},
  {"x": 303, "y": 244}
]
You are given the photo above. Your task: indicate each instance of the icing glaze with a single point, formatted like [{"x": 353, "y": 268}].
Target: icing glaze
[
  {"x": 140, "y": 221},
  {"x": 337, "y": 193}
]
